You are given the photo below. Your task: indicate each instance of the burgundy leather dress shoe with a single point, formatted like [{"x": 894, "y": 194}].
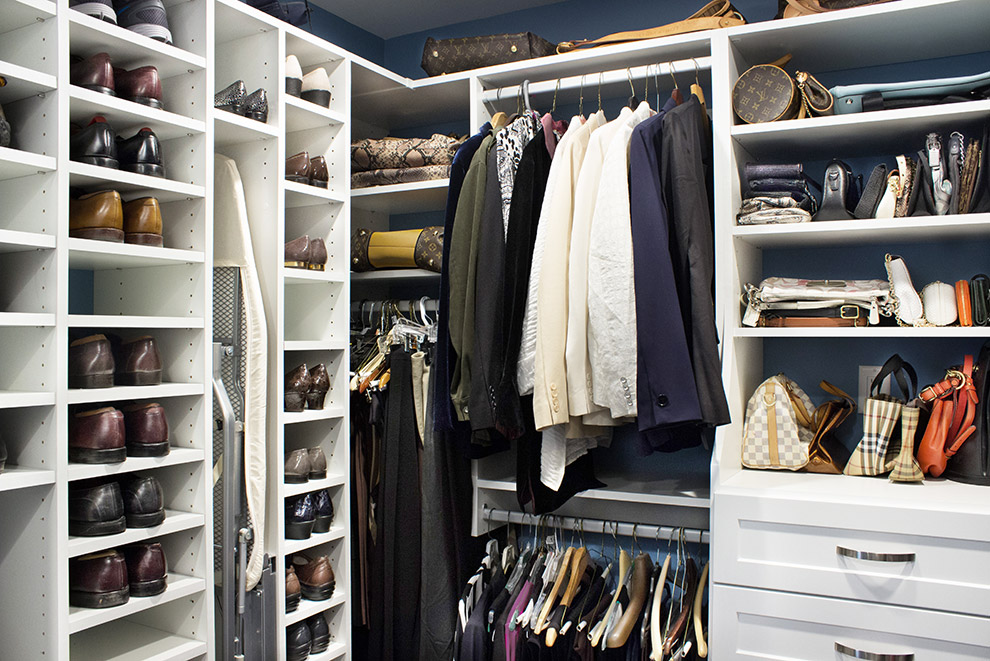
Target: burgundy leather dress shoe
[
  {"x": 98, "y": 580},
  {"x": 147, "y": 430},
  {"x": 141, "y": 85},
  {"x": 297, "y": 384},
  {"x": 139, "y": 363},
  {"x": 94, "y": 73},
  {"x": 144, "y": 501},
  {"x": 91, "y": 363},
  {"x": 97, "y": 437},
  {"x": 96, "y": 509},
  {"x": 146, "y": 568}
]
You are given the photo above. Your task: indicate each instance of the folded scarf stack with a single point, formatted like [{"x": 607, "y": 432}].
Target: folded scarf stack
[
  {"x": 379, "y": 162},
  {"x": 777, "y": 194}
]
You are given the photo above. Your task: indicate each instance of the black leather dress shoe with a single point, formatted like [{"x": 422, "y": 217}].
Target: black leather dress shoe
[
  {"x": 324, "y": 511},
  {"x": 144, "y": 501},
  {"x": 96, "y": 509},
  {"x": 141, "y": 153},
  {"x": 298, "y": 642},
  {"x": 300, "y": 517},
  {"x": 319, "y": 633},
  {"x": 95, "y": 144}
]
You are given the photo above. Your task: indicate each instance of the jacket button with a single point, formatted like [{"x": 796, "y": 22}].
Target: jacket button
[{"x": 662, "y": 400}]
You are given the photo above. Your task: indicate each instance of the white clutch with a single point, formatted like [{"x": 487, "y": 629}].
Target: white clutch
[{"x": 939, "y": 300}]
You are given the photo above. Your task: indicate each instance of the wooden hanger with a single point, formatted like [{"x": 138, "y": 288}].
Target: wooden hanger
[
  {"x": 686, "y": 607},
  {"x": 656, "y": 630},
  {"x": 562, "y": 573},
  {"x": 699, "y": 628},
  {"x": 579, "y": 561},
  {"x": 625, "y": 564},
  {"x": 637, "y": 596}
]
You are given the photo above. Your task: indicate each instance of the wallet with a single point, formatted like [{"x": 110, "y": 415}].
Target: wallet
[{"x": 963, "y": 303}]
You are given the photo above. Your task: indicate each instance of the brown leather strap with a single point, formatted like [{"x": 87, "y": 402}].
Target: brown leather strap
[
  {"x": 811, "y": 322},
  {"x": 716, "y": 14}
]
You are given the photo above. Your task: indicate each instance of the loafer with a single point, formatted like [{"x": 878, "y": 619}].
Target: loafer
[
  {"x": 99, "y": 9},
  {"x": 297, "y": 467},
  {"x": 96, "y": 144},
  {"x": 144, "y": 17},
  {"x": 293, "y": 593},
  {"x": 96, "y": 509},
  {"x": 146, "y": 430},
  {"x": 255, "y": 105},
  {"x": 300, "y": 516},
  {"x": 138, "y": 363},
  {"x": 319, "y": 633},
  {"x": 298, "y": 643},
  {"x": 94, "y": 73},
  {"x": 98, "y": 580},
  {"x": 316, "y": 87},
  {"x": 317, "y": 393},
  {"x": 91, "y": 363},
  {"x": 143, "y": 222},
  {"x": 324, "y": 511},
  {"x": 146, "y": 568},
  {"x": 297, "y": 168},
  {"x": 142, "y": 85},
  {"x": 98, "y": 216},
  {"x": 298, "y": 253},
  {"x": 144, "y": 501},
  {"x": 293, "y": 76},
  {"x": 317, "y": 464},
  {"x": 297, "y": 384},
  {"x": 315, "y": 577},
  {"x": 319, "y": 175},
  {"x": 141, "y": 153},
  {"x": 231, "y": 97},
  {"x": 318, "y": 255},
  {"x": 97, "y": 437}
]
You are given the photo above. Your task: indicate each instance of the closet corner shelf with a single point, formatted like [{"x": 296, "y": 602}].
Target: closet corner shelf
[
  {"x": 22, "y": 477},
  {"x": 15, "y": 163},
  {"x": 396, "y": 277},
  {"x": 316, "y": 539},
  {"x": 127, "y": 116},
  {"x": 21, "y": 13},
  {"x": 303, "y": 115},
  {"x": 23, "y": 82},
  {"x": 309, "y": 608},
  {"x": 318, "y": 345},
  {"x": 230, "y": 129},
  {"x": 305, "y": 275},
  {"x": 304, "y": 195},
  {"x": 329, "y": 482},
  {"x": 12, "y": 399},
  {"x": 166, "y": 190},
  {"x": 134, "y": 642},
  {"x": 945, "y": 332},
  {"x": 624, "y": 489},
  {"x": 179, "y": 586},
  {"x": 26, "y": 319},
  {"x": 174, "y": 522},
  {"x": 17, "y": 241},
  {"x": 175, "y": 457},
  {"x": 120, "y": 393},
  {"x": 857, "y": 232},
  {"x": 133, "y": 321},
  {"x": 100, "y": 255},
  {"x": 414, "y": 197},
  {"x": 329, "y": 413}
]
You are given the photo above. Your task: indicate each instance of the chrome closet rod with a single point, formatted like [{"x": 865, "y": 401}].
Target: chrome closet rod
[
  {"x": 403, "y": 303},
  {"x": 625, "y": 529},
  {"x": 591, "y": 80}
]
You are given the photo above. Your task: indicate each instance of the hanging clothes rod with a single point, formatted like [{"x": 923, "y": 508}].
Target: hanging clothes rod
[
  {"x": 642, "y": 531},
  {"x": 590, "y": 81},
  {"x": 404, "y": 304}
]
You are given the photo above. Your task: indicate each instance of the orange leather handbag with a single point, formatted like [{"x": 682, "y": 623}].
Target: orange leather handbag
[
  {"x": 954, "y": 401},
  {"x": 964, "y": 303}
]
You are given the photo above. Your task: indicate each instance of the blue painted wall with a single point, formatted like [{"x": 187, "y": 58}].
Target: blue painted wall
[{"x": 346, "y": 35}]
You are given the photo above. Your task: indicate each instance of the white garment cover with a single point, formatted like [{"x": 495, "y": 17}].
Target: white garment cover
[{"x": 232, "y": 246}]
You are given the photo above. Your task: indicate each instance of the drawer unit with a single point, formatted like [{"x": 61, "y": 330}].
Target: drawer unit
[
  {"x": 760, "y": 624},
  {"x": 906, "y": 556}
]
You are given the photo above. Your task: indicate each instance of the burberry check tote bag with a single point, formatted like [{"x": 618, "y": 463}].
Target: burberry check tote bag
[{"x": 880, "y": 418}]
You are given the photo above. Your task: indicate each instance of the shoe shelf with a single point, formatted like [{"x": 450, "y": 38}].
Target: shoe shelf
[
  {"x": 130, "y": 641},
  {"x": 175, "y": 457},
  {"x": 127, "y": 117},
  {"x": 17, "y": 163},
  {"x": 328, "y": 413},
  {"x": 396, "y": 276},
  {"x": 179, "y": 586},
  {"x": 304, "y": 195},
  {"x": 329, "y": 482},
  {"x": 308, "y": 608},
  {"x": 12, "y": 399},
  {"x": 120, "y": 393},
  {"x": 293, "y": 275},
  {"x": 85, "y": 175},
  {"x": 302, "y": 115},
  {"x": 21, "y": 13},
  {"x": 26, "y": 319},
  {"x": 21, "y": 477},
  {"x": 12, "y": 241},
  {"x": 319, "y": 345},
  {"x": 317, "y": 538},
  {"x": 23, "y": 82},
  {"x": 402, "y": 198},
  {"x": 174, "y": 522},
  {"x": 230, "y": 129},
  {"x": 335, "y": 651},
  {"x": 857, "y": 232},
  {"x": 131, "y": 321},
  {"x": 99, "y": 255}
]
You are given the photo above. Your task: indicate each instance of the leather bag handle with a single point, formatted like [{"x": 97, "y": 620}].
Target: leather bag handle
[{"x": 897, "y": 367}]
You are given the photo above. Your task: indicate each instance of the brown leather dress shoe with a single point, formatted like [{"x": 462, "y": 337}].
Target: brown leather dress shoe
[
  {"x": 297, "y": 168},
  {"x": 140, "y": 363},
  {"x": 297, "y": 467},
  {"x": 98, "y": 216},
  {"x": 317, "y": 464},
  {"x": 319, "y": 176},
  {"x": 298, "y": 253},
  {"x": 141, "y": 85},
  {"x": 143, "y": 222},
  {"x": 297, "y": 384},
  {"x": 91, "y": 363},
  {"x": 317, "y": 255},
  {"x": 293, "y": 591},
  {"x": 146, "y": 568},
  {"x": 319, "y": 387},
  {"x": 97, "y": 437},
  {"x": 315, "y": 577},
  {"x": 98, "y": 580},
  {"x": 147, "y": 430},
  {"x": 94, "y": 73}
]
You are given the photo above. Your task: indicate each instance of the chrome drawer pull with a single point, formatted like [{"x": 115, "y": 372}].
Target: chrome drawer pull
[
  {"x": 874, "y": 557},
  {"x": 871, "y": 656}
]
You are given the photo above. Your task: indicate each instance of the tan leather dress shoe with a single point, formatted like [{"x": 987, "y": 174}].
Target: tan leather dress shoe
[
  {"x": 98, "y": 216},
  {"x": 143, "y": 222}
]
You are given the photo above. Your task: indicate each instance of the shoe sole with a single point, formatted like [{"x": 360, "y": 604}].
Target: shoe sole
[
  {"x": 323, "y": 524},
  {"x": 153, "y": 31},
  {"x": 317, "y": 475},
  {"x": 319, "y": 97},
  {"x": 320, "y": 644},
  {"x": 98, "y": 10},
  {"x": 149, "y": 101},
  {"x": 316, "y": 399},
  {"x": 100, "y": 88},
  {"x": 299, "y": 653},
  {"x": 107, "y": 599},
  {"x": 148, "y": 588},
  {"x": 295, "y": 402},
  {"x": 150, "y": 169},
  {"x": 91, "y": 456},
  {"x": 258, "y": 115},
  {"x": 303, "y": 530},
  {"x": 149, "y": 520},
  {"x": 148, "y": 449},
  {"x": 297, "y": 179},
  {"x": 91, "y": 380},
  {"x": 318, "y": 592},
  {"x": 101, "y": 161},
  {"x": 110, "y": 234},
  {"x": 295, "y": 479},
  {"x": 292, "y": 602},
  {"x": 153, "y": 378},
  {"x": 293, "y": 87},
  {"x": 319, "y": 183},
  {"x": 97, "y": 528},
  {"x": 144, "y": 239}
]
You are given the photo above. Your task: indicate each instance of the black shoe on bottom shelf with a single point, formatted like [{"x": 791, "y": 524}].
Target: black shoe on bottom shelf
[
  {"x": 319, "y": 633},
  {"x": 298, "y": 642}
]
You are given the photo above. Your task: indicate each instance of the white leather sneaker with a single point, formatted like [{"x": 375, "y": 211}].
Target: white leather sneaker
[
  {"x": 293, "y": 76},
  {"x": 316, "y": 87}
]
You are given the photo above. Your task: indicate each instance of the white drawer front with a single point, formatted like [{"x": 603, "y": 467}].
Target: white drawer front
[
  {"x": 760, "y": 624},
  {"x": 805, "y": 547}
]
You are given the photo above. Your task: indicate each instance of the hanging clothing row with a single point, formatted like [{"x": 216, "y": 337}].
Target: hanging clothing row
[{"x": 577, "y": 290}]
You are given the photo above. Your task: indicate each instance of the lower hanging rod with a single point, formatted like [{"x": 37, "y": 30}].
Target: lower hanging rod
[{"x": 642, "y": 531}]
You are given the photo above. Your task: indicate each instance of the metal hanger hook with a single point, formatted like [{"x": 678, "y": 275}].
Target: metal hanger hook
[
  {"x": 581, "y": 102},
  {"x": 670, "y": 67},
  {"x": 556, "y": 89},
  {"x": 601, "y": 76},
  {"x": 696, "y": 70},
  {"x": 632, "y": 90}
]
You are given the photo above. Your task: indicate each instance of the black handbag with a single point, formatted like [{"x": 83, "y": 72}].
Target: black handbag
[{"x": 442, "y": 56}]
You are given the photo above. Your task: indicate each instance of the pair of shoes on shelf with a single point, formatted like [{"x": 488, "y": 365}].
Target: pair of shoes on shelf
[
  {"x": 145, "y": 17},
  {"x": 305, "y": 170},
  {"x": 313, "y": 86},
  {"x": 96, "y": 362},
  {"x": 294, "y": 13},
  {"x": 108, "y": 435},
  {"x": 104, "y": 216},
  {"x": 306, "y": 253},
  {"x": 309, "y": 513},
  {"x": 97, "y": 73},
  {"x": 102, "y": 507},
  {"x": 109, "y": 578},
  {"x": 304, "y": 465},
  {"x": 310, "y": 636},
  {"x": 316, "y": 578},
  {"x": 98, "y": 144},
  {"x": 234, "y": 98},
  {"x": 306, "y": 388}
]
